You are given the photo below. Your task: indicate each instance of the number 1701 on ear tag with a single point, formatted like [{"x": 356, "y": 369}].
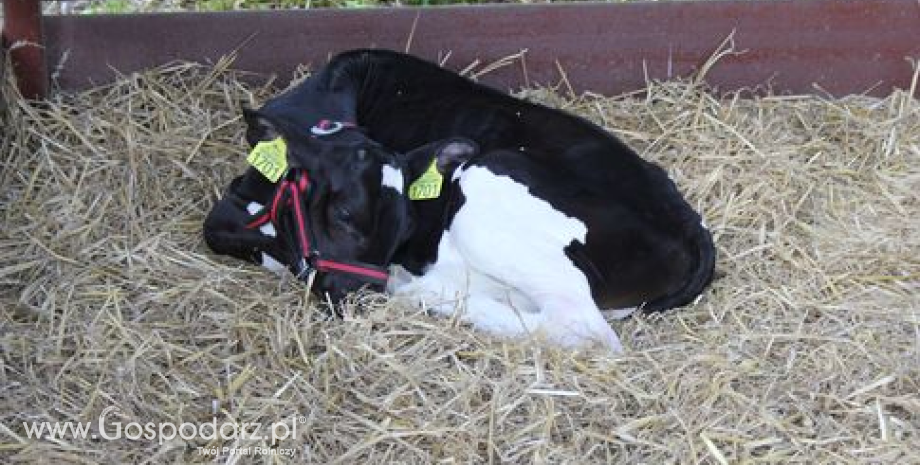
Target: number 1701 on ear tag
[
  {"x": 428, "y": 185},
  {"x": 269, "y": 158}
]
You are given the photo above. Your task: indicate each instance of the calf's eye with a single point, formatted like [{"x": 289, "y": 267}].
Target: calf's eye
[{"x": 343, "y": 214}]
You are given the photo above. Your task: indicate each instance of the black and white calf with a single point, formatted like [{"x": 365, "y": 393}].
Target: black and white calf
[{"x": 541, "y": 221}]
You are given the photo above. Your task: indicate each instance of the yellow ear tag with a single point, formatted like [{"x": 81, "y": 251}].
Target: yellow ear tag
[
  {"x": 269, "y": 158},
  {"x": 428, "y": 185}
]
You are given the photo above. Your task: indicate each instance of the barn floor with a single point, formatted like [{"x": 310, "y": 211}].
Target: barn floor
[{"x": 806, "y": 349}]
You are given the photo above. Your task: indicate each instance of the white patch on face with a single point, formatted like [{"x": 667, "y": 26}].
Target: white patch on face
[
  {"x": 502, "y": 264},
  {"x": 392, "y": 178},
  {"x": 272, "y": 265},
  {"x": 253, "y": 207},
  {"x": 268, "y": 229}
]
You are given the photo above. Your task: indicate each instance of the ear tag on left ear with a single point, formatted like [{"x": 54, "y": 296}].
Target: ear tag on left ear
[
  {"x": 270, "y": 158},
  {"x": 428, "y": 185}
]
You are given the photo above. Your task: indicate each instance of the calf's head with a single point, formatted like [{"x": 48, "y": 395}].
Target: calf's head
[{"x": 352, "y": 210}]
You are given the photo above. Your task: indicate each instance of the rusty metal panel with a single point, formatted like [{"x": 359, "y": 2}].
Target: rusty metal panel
[
  {"x": 844, "y": 47},
  {"x": 22, "y": 32}
]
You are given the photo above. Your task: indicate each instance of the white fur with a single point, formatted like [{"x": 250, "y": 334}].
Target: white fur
[
  {"x": 268, "y": 229},
  {"x": 392, "y": 177},
  {"x": 253, "y": 207},
  {"x": 502, "y": 264},
  {"x": 619, "y": 313},
  {"x": 272, "y": 265}
]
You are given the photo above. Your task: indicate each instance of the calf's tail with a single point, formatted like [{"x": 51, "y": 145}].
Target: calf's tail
[{"x": 703, "y": 255}]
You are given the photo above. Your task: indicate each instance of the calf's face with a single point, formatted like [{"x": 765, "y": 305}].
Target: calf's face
[{"x": 355, "y": 208}]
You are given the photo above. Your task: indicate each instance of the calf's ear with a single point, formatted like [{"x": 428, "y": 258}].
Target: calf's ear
[
  {"x": 447, "y": 154},
  {"x": 454, "y": 152},
  {"x": 259, "y": 127}
]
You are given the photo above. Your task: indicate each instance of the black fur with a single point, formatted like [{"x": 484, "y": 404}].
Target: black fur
[{"x": 645, "y": 243}]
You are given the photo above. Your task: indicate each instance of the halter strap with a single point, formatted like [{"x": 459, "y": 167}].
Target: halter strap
[{"x": 295, "y": 193}]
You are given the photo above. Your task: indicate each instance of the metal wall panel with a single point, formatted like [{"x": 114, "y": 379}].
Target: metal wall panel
[{"x": 844, "y": 47}]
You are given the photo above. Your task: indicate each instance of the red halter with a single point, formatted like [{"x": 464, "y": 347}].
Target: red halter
[{"x": 295, "y": 192}]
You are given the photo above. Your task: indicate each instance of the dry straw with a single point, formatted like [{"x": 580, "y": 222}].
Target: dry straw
[{"x": 806, "y": 349}]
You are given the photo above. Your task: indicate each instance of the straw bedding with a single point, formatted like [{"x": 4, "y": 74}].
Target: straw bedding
[{"x": 806, "y": 349}]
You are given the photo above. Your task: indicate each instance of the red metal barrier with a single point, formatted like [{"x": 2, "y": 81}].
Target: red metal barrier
[
  {"x": 22, "y": 32},
  {"x": 843, "y": 46}
]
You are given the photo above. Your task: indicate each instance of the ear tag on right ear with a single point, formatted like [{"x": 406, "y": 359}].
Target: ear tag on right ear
[
  {"x": 269, "y": 158},
  {"x": 428, "y": 185}
]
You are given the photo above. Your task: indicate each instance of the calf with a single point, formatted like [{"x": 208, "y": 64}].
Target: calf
[{"x": 525, "y": 218}]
